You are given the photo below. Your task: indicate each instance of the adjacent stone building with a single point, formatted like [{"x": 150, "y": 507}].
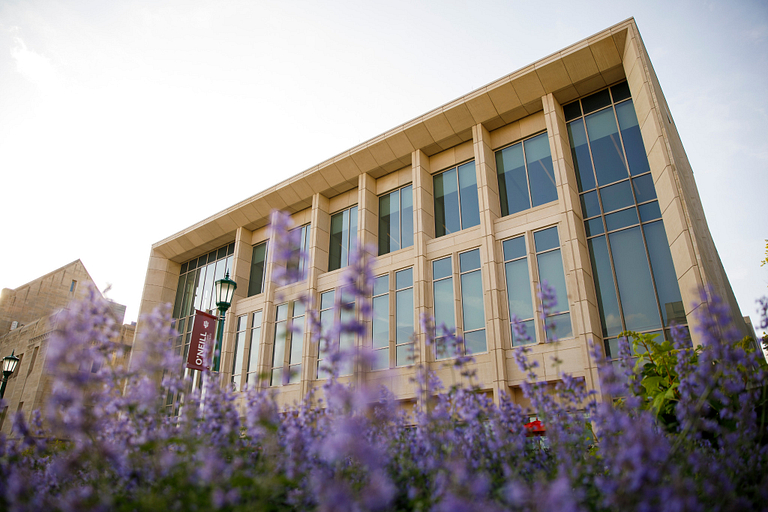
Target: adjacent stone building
[
  {"x": 27, "y": 320},
  {"x": 569, "y": 170}
]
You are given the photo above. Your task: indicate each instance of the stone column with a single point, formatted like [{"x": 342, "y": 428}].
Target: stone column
[
  {"x": 241, "y": 274},
  {"x": 368, "y": 219},
  {"x": 492, "y": 269},
  {"x": 159, "y": 288},
  {"x": 319, "y": 240},
  {"x": 424, "y": 229},
  {"x": 582, "y": 296}
]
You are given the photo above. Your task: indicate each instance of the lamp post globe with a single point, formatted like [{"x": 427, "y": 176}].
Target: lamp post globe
[
  {"x": 9, "y": 366},
  {"x": 224, "y": 291}
]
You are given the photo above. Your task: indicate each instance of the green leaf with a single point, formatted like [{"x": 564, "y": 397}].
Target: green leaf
[{"x": 652, "y": 384}]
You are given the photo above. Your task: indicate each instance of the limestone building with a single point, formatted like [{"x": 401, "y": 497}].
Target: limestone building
[
  {"x": 27, "y": 320},
  {"x": 569, "y": 171}
]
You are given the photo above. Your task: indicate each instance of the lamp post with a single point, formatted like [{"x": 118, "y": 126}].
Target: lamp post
[
  {"x": 9, "y": 366},
  {"x": 224, "y": 289}
]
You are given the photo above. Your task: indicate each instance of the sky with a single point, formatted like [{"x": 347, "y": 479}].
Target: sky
[{"x": 122, "y": 123}]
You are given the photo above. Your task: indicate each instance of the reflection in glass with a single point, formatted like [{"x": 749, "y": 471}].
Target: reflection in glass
[
  {"x": 638, "y": 301},
  {"x": 672, "y": 309},
  {"x": 443, "y": 293},
  {"x": 472, "y": 301},
  {"x": 470, "y": 209},
  {"x": 475, "y": 342},
  {"x": 616, "y": 196},
  {"x": 621, "y": 219},
  {"x": 343, "y": 238},
  {"x": 607, "y": 154},
  {"x": 582, "y": 160},
  {"x": 590, "y": 206},
  {"x": 258, "y": 264},
  {"x": 404, "y": 318},
  {"x": 649, "y": 211},
  {"x": 644, "y": 189},
  {"x": 513, "y": 181},
  {"x": 604, "y": 286},
  {"x": 389, "y": 222},
  {"x": 406, "y": 217},
  {"x": 541, "y": 174},
  {"x": 446, "y": 203},
  {"x": 633, "y": 140}
]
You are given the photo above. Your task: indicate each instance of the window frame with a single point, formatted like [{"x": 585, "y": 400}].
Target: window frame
[
  {"x": 291, "y": 337},
  {"x": 603, "y": 224},
  {"x": 400, "y": 244},
  {"x": 393, "y": 341},
  {"x": 241, "y": 328},
  {"x": 257, "y": 290},
  {"x": 539, "y": 335},
  {"x": 522, "y": 144},
  {"x": 462, "y": 221},
  {"x": 254, "y": 334},
  {"x": 352, "y": 237},
  {"x": 457, "y": 305},
  {"x": 338, "y": 308}
]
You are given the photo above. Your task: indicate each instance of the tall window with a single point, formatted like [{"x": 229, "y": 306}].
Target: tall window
[
  {"x": 258, "y": 267},
  {"x": 195, "y": 290},
  {"x": 456, "y": 205},
  {"x": 343, "y": 238},
  {"x": 237, "y": 363},
  {"x": 549, "y": 268},
  {"x": 519, "y": 288},
  {"x": 526, "y": 176},
  {"x": 297, "y": 263},
  {"x": 380, "y": 327},
  {"x": 632, "y": 265},
  {"x": 331, "y": 312},
  {"x": 252, "y": 377},
  {"x": 472, "y": 307},
  {"x": 396, "y": 220},
  {"x": 289, "y": 343},
  {"x": 398, "y": 349}
]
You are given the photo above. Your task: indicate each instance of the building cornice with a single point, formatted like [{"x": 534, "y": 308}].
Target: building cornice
[{"x": 575, "y": 71}]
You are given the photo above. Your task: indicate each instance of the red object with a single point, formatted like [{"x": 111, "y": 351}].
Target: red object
[
  {"x": 202, "y": 341},
  {"x": 535, "y": 428}
]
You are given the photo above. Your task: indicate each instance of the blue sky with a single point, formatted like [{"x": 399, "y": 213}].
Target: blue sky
[{"x": 113, "y": 113}]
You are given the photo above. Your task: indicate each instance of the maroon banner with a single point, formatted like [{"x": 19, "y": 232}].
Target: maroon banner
[{"x": 202, "y": 341}]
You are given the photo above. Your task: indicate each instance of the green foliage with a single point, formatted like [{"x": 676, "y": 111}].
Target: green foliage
[{"x": 656, "y": 379}]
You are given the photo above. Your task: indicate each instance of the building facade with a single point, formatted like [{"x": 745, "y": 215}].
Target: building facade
[
  {"x": 569, "y": 171},
  {"x": 27, "y": 320}
]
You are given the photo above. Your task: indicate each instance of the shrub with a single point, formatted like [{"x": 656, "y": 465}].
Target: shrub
[{"x": 701, "y": 446}]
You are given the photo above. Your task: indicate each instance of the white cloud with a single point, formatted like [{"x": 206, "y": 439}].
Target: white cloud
[{"x": 32, "y": 66}]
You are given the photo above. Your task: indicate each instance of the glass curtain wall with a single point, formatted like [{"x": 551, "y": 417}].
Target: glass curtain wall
[
  {"x": 195, "y": 290},
  {"x": 634, "y": 276}
]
